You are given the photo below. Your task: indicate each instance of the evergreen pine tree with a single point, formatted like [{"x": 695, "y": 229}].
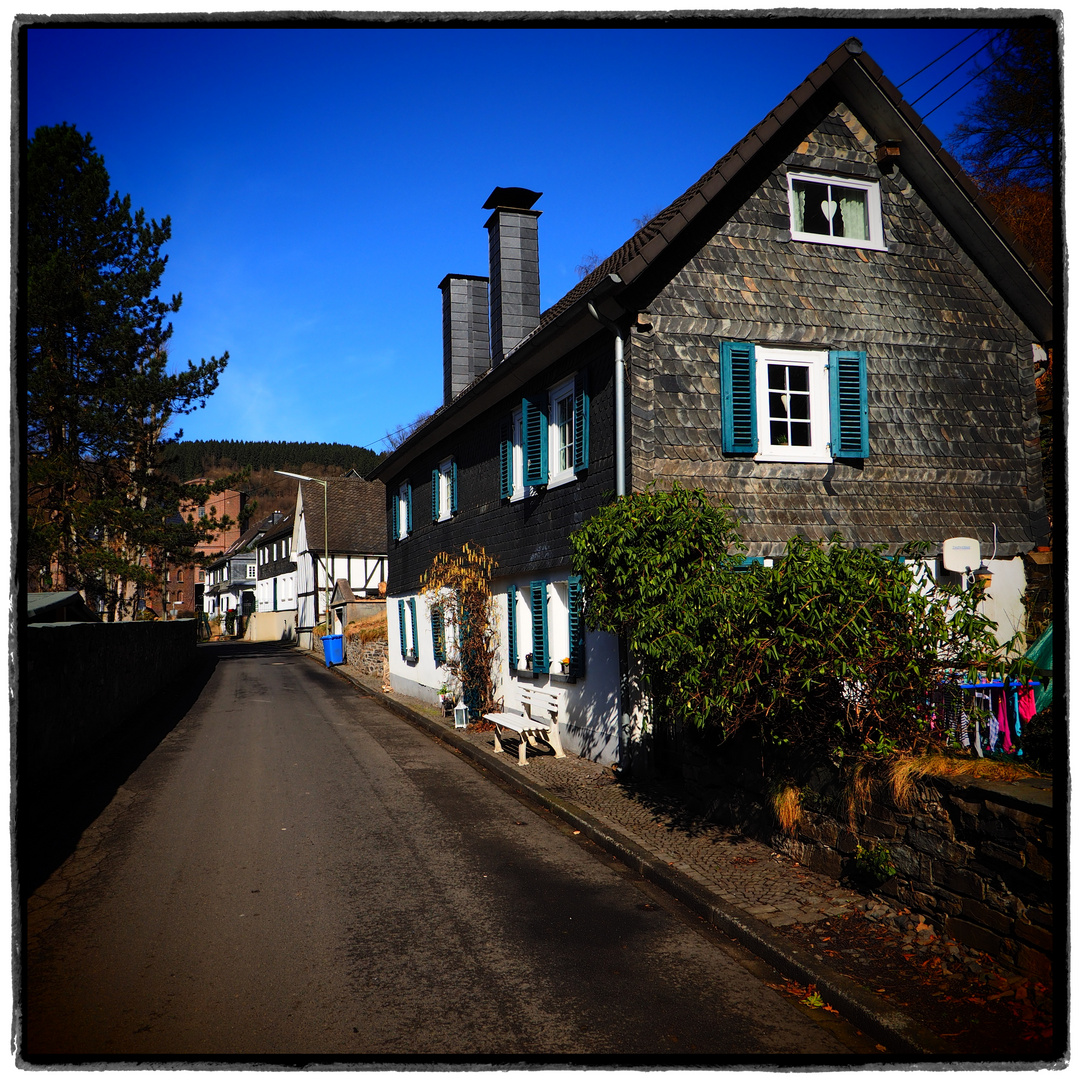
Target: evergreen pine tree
[{"x": 101, "y": 516}]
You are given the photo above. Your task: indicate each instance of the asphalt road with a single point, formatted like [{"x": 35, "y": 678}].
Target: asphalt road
[{"x": 294, "y": 871}]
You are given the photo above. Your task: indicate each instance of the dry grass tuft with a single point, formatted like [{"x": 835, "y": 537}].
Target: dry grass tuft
[
  {"x": 858, "y": 793},
  {"x": 373, "y": 628},
  {"x": 787, "y": 806},
  {"x": 904, "y": 771}
]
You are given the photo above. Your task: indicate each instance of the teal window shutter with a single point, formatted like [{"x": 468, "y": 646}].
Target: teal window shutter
[
  {"x": 748, "y": 561},
  {"x": 848, "y": 412},
  {"x": 434, "y": 494},
  {"x": 511, "y": 628},
  {"x": 408, "y": 507},
  {"x": 412, "y": 619},
  {"x": 438, "y": 636},
  {"x": 506, "y": 460},
  {"x": 535, "y": 438},
  {"x": 401, "y": 628},
  {"x": 395, "y": 517},
  {"x": 538, "y": 590},
  {"x": 581, "y": 421},
  {"x": 577, "y": 635},
  {"x": 738, "y": 399},
  {"x": 453, "y": 487}
]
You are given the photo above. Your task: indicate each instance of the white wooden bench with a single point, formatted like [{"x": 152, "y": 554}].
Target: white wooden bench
[{"x": 541, "y": 721}]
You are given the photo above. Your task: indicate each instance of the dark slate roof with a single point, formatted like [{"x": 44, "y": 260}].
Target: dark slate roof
[
  {"x": 668, "y": 239},
  {"x": 284, "y": 527},
  {"x": 357, "y": 515},
  {"x": 53, "y": 607}
]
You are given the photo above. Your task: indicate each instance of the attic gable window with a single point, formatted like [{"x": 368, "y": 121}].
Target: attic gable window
[{"x": 835, "y": 210}]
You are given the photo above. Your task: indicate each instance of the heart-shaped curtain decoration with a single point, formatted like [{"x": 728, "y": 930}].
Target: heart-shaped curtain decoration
[{"x": 828, "y": 208}]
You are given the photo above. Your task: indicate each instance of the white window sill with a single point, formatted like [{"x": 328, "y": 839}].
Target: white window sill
[
  {"x": 791, "y": 459},
  {"x": 561, "y": 480},
  {"x": 836, "y": 241}
]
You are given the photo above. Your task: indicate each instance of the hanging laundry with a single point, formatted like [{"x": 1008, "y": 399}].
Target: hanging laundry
[
  {"x": 1027, "y": 704},
  {"x": 1003, "y": 721}
]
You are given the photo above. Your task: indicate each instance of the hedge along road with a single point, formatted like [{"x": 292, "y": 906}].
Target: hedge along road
[{"x": 294, "y": 871}]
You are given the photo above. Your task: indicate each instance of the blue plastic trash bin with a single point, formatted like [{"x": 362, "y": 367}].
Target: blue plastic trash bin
[{"x": 333, "y": 649}]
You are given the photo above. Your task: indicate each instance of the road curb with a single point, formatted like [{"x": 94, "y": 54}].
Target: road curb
[{"x": 894, "y": 1029}]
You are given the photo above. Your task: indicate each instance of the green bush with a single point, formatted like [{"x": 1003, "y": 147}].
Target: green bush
[
  {"x": 833, "y": 648},
  {"x": 872, "y": 865}
]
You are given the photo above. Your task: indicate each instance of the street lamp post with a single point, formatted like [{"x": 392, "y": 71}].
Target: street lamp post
[{"x": 326, "y": 540}]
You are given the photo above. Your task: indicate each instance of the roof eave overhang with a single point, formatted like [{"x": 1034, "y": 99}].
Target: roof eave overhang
[{"x": 542, "y": 348}]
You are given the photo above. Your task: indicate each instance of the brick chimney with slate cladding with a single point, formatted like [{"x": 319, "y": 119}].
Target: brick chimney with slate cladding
[
  {"x": 466, "y": 348},
  {"x": 515, "y": 268}
]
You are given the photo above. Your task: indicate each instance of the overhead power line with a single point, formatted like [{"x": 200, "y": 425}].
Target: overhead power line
[{"x": 937, "y": 59}]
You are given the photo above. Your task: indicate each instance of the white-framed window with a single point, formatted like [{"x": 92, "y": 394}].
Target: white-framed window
[
  {"x": 518, "y": 488},
  {"x": 545, "y": 630},
  {"x": 793, "y": 405},
  {"x": 444, "y": 496},
  {"x": 401, "y": 511},
  {"x": 251, "y": 570},
  {"x": 835, "y": 210},
  {"x": 787, "y": 404},
  {"x": 545, "y": 442},
  {"x": 561, "y": 434},
  {"x": 407, "y": 630}
]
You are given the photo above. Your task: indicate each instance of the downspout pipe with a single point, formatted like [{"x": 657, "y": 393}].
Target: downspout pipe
[
  {"x": 620, "y": 405},
  {"x": 623, "y": 765}
]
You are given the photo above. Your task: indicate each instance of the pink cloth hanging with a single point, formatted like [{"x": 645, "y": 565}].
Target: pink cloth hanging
[
  {"x": 1027, "y": 704},
  {"x": 1003, "y": 721}
]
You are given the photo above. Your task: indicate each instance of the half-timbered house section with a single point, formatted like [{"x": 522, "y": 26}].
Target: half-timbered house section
[
  {"x": 351, "y": 533},
  {"x": 830, "y": 331}
]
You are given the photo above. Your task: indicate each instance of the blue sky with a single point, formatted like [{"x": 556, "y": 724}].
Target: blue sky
[{"x": 322, "y": 182}]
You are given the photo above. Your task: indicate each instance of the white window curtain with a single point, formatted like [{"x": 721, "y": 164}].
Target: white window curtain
[
  {"x": 800, "y": 207},
  {"x": 853, "y": 209}
]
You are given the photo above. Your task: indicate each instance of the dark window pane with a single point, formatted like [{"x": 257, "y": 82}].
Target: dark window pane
[
  {"x": 777, "y": 380},
  {"x": 799, "y": 378},
  {"x": 809, "y": 198},
  {"x": 800, "y": 434},
  {"x": 777, "y": 408},
  {"x": 800, "y": 407},
  {"x": 778, "y": 433}
]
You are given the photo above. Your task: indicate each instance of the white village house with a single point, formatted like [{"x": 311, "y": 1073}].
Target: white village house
[{"x": 342, "y": 519}]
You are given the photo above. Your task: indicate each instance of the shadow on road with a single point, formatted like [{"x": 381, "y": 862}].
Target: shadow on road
[{"x": 52, "y": 811}]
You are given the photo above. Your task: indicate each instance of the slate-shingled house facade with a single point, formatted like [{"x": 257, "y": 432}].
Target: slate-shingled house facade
[{"x": 830, "y": 331}]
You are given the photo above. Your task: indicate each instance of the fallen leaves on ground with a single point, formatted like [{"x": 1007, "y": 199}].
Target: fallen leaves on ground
[{"x": 987, "y": 1012}]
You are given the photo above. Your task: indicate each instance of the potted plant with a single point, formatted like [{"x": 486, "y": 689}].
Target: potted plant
[
  {"x": 565, "y": 664},
  {"x": 446, "y": 699}
]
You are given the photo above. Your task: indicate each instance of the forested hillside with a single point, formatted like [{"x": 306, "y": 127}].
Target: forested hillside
[
  {"x": 190, "y": 459},
  {"x": 266, "y": 490}
]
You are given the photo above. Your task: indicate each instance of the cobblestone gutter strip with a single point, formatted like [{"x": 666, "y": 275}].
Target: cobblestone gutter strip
[{"x": 896, "y": 1031}]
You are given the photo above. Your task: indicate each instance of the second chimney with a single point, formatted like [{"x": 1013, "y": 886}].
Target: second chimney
[
  {"x": 466, "y": 353},
  {"x": 515, "y": 267}
]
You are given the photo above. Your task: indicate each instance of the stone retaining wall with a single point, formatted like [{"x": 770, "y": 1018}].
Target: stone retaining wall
[
  {"x": 367, "y": 657},
  {"x": 975, "y": 858}
]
